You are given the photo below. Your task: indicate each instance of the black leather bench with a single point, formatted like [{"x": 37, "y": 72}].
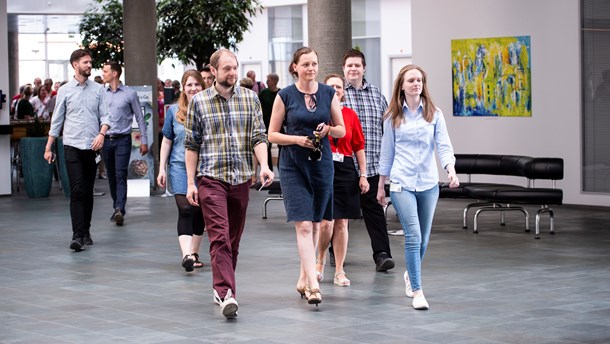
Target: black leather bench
[{"x": 508, "y": 197}]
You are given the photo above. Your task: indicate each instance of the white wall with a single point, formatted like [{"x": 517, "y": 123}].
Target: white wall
[
  {"x": 555, "y": 126},
  {"x": 395, "y": 38},
  {"x": 5, "y": 166}
]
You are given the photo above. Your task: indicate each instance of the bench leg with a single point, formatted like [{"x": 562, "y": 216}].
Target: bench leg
[
  {"x": 497, "y": 207},
  {"x": 472, "y": 205},
  {"x": 551, "y": 220},
  {"x": 267, "y": 201}
]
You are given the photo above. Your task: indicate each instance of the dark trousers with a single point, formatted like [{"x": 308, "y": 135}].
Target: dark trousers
[
  {"x": 374, "y": 219},
  {"x": 224, "y": 211},
  {"x": 81, "y": 168},
  {"x": 116, "y": 157}
]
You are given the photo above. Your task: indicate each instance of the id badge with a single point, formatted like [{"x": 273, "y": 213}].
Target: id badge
[
  {"x": 98, "y": 158},
  {"x": 395, "y": 187},
  {"x": 338, "y": 157}
]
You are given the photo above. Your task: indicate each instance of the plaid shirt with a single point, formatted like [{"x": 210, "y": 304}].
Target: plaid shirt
[
  {"x": 370, "y": 105},
  {"x": 224, "y": 132}
]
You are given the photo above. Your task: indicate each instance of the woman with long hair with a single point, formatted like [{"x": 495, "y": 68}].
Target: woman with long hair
[
  {"x": 190, "y": 218},
  {"x": 413, "y": 126}
]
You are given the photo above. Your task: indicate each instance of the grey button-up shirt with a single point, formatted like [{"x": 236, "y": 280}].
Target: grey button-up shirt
[
  {"x": 81, "y": 110},
  {"x": 123, "y": 104}
]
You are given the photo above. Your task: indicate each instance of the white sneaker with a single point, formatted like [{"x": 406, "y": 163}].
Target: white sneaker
[
  {"x": 408, "y": 290},
  {"x": 228, "y": 306},
  {"x": 419, "y": 302}
]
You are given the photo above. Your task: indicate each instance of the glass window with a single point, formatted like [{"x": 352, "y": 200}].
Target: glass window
[
  {"x": 366, "y": 28},
  {"x": 596, "y": 95},
  {"x": 285, "y": 37}
]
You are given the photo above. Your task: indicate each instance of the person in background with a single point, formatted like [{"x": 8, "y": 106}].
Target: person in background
[
  {"x": 176, "y": 87},
  {"x": 168, "y": 83},
  {"x": 56, "y": 86},
  {"x": 37, "y": 82},
  {"x": 39, "y": 102},
  {"x": 124, "y": 105},
  {"x": 190, "y": 218},
  {"x": 24, "y": 109},
  {"x": 306, "y": 109},
  {"x": 246, "y": 83},
  {"x": 370, "y": 105},
  {"x": 48, "y": 84},
  {"x": 208, "y": 77},
  {"x": 257, "y": 86},
  {"x": 224, "y": 129},
  {"x": 413, "y": 126},
  {"x": 101, "y": 166},
  {"x": 347, "y": 186},
  {"x": 267, "y": 97},
  {"x": 82, "y": 113}
]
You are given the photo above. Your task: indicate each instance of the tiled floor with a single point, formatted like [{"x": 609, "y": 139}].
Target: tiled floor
[{"x": 500, "y": 286}]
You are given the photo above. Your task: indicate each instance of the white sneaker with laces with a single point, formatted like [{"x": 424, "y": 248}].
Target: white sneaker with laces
[
  {"x": 408, "y": 289},
  {"x": 420, "y": 303},
  {"x": 228, "y": 305}
]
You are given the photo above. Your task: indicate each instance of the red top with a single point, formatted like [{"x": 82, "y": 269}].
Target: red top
[{"x": 353, "y": 140}]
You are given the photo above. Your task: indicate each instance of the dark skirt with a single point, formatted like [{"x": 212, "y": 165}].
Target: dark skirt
[{"x": 346, "y": 202}]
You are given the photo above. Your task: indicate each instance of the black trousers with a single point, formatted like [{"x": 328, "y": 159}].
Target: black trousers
[
  {"x": 374, "y": 219},
  {"x": 81, "y": 168}
]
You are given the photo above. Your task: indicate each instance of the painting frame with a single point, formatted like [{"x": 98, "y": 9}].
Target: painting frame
[{"x": 491, "y": 77}]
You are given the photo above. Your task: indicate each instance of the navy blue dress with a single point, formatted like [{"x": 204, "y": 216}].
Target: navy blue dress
[{"x": 307, "y": 186}]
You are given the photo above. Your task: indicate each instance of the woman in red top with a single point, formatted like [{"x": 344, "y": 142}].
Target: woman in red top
[{"x": 346, "y": 186}]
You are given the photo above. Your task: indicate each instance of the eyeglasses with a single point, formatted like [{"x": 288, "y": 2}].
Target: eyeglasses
[
  {"x": 312, "y": 102},
  {"x": 316, "y": 152}
]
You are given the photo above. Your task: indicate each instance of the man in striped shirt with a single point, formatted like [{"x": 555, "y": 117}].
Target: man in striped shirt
[
  {"x": 370, "y": 105},
  {"x": 224, "y": 127}
]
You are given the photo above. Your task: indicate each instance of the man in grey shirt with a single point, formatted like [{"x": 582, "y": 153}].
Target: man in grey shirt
[
  {"x": 82, "y": 113},
  {"x": 123, "y": 104}
]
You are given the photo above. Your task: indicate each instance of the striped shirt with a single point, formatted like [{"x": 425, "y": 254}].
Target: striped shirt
[
  {"x": 224, "y": 132},
  {"x": 370, "y": 105}
]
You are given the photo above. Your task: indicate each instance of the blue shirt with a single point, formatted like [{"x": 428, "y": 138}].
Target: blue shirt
[
  {"x": 407, "y": 152},
  {"x": 80, "y": 110},
  {"x": 123, "y": 103}
]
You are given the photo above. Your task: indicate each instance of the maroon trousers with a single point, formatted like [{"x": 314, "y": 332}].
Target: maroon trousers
[{"x": 224, "y": 210}]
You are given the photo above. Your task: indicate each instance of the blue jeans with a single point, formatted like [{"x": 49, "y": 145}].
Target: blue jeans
[
  {"x": 116, "y": 157},
  {"x": 415, "y": 211}
]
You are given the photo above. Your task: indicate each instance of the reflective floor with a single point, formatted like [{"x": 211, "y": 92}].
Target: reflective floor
[{"x": 498, "y": 286}]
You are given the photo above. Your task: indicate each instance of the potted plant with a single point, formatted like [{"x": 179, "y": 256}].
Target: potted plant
[{"x": 37, "y": 172}]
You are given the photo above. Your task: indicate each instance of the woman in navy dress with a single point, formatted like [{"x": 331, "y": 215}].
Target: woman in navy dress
[{"x": 309, "y": 113}]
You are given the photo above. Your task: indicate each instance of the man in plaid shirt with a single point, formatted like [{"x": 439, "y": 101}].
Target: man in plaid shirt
[
  {"x": 370, "y": 105},
  {"x": 223, "y": 128}
]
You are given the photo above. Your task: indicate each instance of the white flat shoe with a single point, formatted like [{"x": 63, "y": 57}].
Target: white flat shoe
[
  {"x": 420, "y": 303},
  {"x": 408, "y": 289}
]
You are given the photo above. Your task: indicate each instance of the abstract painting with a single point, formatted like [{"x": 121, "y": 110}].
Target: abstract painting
[{"x": 492, "y": 76}]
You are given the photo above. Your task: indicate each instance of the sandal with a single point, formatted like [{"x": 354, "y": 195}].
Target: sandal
[
  {"x": 320, "y": 273},
  {"x": 342, "y": 282},
  {"x": 302, "y": 290},
  {"x": 197, "y": 263},
  {"x": 187, "y": 263},
  {"x": 314, "y": 297}
]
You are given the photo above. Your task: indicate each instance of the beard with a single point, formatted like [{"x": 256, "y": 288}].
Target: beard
[
  {"x": 85, "y": 72},
  {"x": 227, "y": 82}
]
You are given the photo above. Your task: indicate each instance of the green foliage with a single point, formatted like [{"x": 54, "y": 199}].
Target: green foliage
[
  {"x": 191, "y": 30},
  {"x": 102, "y": 31}
]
